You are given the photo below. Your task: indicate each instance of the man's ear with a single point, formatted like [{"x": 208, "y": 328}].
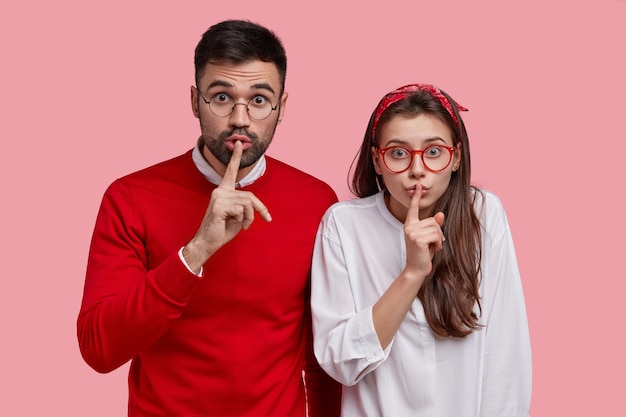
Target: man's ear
[
  {"x": 283, "y": 104},
  {"x": 194, "y": 102}
]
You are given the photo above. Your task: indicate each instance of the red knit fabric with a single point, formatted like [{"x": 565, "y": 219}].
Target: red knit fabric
[{"x": 233, "y": 343}]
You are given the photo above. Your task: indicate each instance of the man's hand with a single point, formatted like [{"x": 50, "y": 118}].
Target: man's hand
[{"x": 229, "y": 212}]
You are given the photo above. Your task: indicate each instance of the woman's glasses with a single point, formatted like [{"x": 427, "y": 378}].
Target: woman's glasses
[{"x": 435, "y": 158}]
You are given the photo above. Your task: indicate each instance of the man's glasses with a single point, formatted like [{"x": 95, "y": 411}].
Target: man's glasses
[
  {"x": 222, "y": 105},
  {"x": 398, "y": 159}
]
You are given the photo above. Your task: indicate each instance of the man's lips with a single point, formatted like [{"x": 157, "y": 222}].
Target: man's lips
[{"x": 245, "y": 141}]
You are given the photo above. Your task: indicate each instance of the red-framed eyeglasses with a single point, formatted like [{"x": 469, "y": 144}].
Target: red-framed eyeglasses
[{"x": 435, "y": 158}]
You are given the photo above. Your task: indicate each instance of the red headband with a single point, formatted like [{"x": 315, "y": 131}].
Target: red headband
[{"x": 405, "y": 91}]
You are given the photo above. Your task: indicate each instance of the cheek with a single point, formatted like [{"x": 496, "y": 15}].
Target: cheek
[
  {"x": 394, "y": 183},
  {"x": 209, "y": 123},
  {"x": 208, "y": 129},
  {"x": 265, "y": 132},
  {"x": 443, "y": 182}
]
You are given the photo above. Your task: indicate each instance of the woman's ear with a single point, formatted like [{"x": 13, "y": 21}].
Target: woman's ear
[
  {"x": 456, "y": 158},
  {"x": 376, "y": 160}
]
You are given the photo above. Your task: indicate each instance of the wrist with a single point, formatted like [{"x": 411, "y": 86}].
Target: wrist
[
  {"x": 193, "y": 257},
  {"x": 412, "y": 278}
]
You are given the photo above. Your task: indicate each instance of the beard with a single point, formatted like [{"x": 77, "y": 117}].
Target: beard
[{"x": 216, "y": 144}]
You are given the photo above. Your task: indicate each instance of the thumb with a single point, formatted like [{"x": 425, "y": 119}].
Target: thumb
[{"x": 439, "y": 218}]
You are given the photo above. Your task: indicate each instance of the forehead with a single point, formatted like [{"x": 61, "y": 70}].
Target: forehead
[
  {"x": 252, "y": 75},
  {"x": 415, "y": 131}
]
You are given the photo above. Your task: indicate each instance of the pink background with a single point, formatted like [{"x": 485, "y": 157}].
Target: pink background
[{"x": 93, "y": 92}]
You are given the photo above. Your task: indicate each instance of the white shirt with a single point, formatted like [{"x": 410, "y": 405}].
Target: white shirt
[
  {"x": 213, "y": 177},
  {"x": 359, "y": 251}
]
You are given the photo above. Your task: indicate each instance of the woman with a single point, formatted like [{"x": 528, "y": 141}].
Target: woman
[{"x": 417, "y": 301}]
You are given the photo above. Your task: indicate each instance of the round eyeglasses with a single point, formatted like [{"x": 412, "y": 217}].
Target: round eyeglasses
[
  {"x": 435, "y": 158},
  {"x": 222, "y": 105}
]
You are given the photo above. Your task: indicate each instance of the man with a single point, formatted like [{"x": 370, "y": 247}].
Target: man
[{"x": 198, "y": 271}]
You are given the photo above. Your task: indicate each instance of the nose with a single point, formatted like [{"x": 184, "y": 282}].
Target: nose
[
  {"x": 239, "y": 117},
  {"x": 417, "y": 167}
]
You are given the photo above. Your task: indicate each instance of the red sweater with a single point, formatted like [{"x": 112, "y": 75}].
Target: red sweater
[{"x": 233, "y": 343}]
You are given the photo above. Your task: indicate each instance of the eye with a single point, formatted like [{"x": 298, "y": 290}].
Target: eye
[
  {"x": 258, "y": 101},
  {"x": 399, "y": 153},
  {"x": 433, "y": 151},
  {"x": 221, "y": 98}
]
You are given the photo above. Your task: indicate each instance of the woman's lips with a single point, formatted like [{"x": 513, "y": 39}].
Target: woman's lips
[{"x": 411, "y": 190}]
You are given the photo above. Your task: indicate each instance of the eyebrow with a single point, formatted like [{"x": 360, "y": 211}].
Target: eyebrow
[
  {"x": 258, "y": 86},
  {"x": 428, "y": 141}
]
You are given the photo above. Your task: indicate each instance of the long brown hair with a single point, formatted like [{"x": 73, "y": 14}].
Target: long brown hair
[{"x": 450, "y": 293}]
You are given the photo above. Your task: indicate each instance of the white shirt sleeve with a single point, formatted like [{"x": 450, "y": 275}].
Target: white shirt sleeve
[
  {"x": 507, "y": 370},
  {"x": 346, "y": 344},
  {"x": 182, "y": 258}
]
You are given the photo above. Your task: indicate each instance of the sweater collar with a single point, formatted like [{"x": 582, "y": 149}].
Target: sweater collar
[{"x": 213, "y": 177}]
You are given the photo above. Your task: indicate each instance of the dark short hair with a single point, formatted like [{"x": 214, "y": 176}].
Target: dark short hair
[{"x": 238, "y": 42}]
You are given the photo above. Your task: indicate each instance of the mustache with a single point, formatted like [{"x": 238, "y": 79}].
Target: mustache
[{"x": 240, "y": 132}]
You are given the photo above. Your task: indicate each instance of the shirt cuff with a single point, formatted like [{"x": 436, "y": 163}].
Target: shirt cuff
[{"x": 182, "y": 258}]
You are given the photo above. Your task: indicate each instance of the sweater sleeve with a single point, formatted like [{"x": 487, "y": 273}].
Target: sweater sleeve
[{"x": 125, "y": 306}]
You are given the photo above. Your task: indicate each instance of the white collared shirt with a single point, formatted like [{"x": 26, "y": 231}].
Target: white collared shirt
[
  {"x": 359, "y": 251},
  {"x": 213, "y": 177}
]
